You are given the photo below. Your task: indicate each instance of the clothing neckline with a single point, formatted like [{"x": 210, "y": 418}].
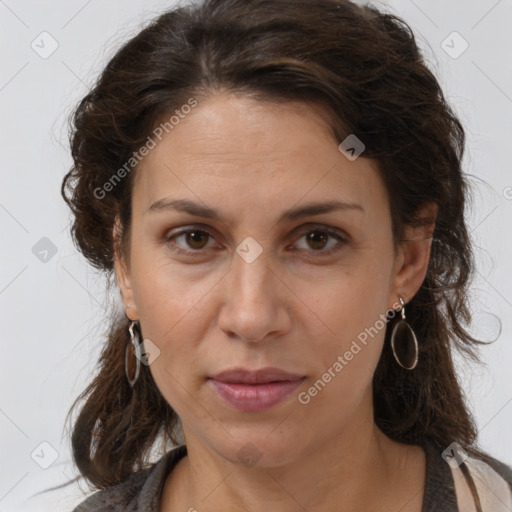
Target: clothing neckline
[{"x": 439, "y": 487}]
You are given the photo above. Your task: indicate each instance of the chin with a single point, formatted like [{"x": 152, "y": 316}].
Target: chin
[{"x": 252, "y": 448}]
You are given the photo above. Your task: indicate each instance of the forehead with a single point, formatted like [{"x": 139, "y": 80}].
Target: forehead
[
  {"x": 259, "y": 151},
  {"x": 228, "y": 127}
]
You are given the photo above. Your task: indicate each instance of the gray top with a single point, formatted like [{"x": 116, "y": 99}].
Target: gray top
[{"x": 141, "y": 492}]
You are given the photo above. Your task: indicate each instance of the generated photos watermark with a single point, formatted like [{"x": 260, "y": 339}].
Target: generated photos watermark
[
  {"x": 137, "y": 156},
  {"x": 363, "y": 337}
]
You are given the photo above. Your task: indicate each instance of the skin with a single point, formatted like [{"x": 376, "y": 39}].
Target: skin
[{"x": 295, "y": 307}]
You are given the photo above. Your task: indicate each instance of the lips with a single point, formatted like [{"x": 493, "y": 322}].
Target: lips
[
  {"x": 247, "y": 390},
  {"x": 261, "y": 376}
]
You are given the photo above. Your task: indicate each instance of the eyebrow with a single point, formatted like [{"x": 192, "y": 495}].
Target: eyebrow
[{"x": 200, "y": 210}]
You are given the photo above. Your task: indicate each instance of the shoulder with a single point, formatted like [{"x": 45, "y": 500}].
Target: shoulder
[
  {"x": 456, "y": 479},
  {"x": 479, "y": 474},
  {"x": 487, "y": 467},
  {"x": 117, "y": 497},
  {"x": 503, "y": 469},
  {"x": 139, "y": 492}
]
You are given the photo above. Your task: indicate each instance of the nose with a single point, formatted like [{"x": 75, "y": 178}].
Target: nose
[{"x": 256, "y": 303}]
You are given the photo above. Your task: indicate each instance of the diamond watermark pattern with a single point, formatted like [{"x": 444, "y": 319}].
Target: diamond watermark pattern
[
  {"x": 44, "y": 250},
  {"x": 44, "y": 45},
  {"x": 148, "y": 352},
  {"x": 44, "y": 455},
  {"x": 455, "y": 455},
  {"x": 351, "y": 147},
  {"x": 249, "y": 454},
  {"x": 454, "y": 45},
  {"x": 249, "y": 249}
]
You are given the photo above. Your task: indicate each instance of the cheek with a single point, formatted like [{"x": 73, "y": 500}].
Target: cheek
[
  {"x": 351, "y": 299},
  {"x": 344, "y": 357},
  {"x": 165, "y": 293},
  {"x": 173, "y": 305},
  {"x": 348, "y": 320}
]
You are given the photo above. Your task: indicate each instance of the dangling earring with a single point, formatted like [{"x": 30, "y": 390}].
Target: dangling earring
[
  {"x": 404, "y": 343},
  {"x": 135, "y": 341}
]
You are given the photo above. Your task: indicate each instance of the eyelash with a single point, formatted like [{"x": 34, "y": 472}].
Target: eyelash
[{"x": 318, "y": 253}]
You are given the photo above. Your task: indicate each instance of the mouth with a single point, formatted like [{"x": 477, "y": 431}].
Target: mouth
[{"x": 254, "y": 390}]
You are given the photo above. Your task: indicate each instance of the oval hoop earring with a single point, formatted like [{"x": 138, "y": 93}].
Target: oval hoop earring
[
  {"x": 404, "y": 342},
  {"x": 135, "y": 341}
]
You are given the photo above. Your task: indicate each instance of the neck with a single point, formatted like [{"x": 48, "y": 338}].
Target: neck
[{"x": 361, "y": 468}]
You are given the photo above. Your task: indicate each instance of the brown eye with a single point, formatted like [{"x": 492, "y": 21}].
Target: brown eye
[
  {"x": 317, "y": 239},
  {"x": 196, "y": 239},
  {"x": 322, "y": 241},
  {"x": 189, "y": 241}
]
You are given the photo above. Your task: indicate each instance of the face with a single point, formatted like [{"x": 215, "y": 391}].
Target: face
[{"x": 256, "y": 243}]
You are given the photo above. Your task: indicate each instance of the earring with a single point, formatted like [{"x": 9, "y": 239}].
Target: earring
[
  {"x": 404, "y": 343},
  {"x": 135, "y": 341}
]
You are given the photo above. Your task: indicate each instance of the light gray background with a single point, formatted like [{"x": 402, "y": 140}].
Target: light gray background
[{"x": 52, "y": 311}]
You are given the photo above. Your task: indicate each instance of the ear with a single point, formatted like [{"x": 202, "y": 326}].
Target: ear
[
  {"x": 413, "y": 256},
  {"x": 122, "y": 273}
]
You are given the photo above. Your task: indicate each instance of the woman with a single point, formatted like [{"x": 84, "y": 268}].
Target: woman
[{"x": 276, "y": 188}]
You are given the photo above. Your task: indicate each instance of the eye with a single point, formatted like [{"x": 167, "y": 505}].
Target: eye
[
  {"x": 193, "y": 240},
  {"x": 322, "y": 240}
]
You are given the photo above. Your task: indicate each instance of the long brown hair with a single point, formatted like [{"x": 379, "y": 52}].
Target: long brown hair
[{"x": 364, "y": 66}]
